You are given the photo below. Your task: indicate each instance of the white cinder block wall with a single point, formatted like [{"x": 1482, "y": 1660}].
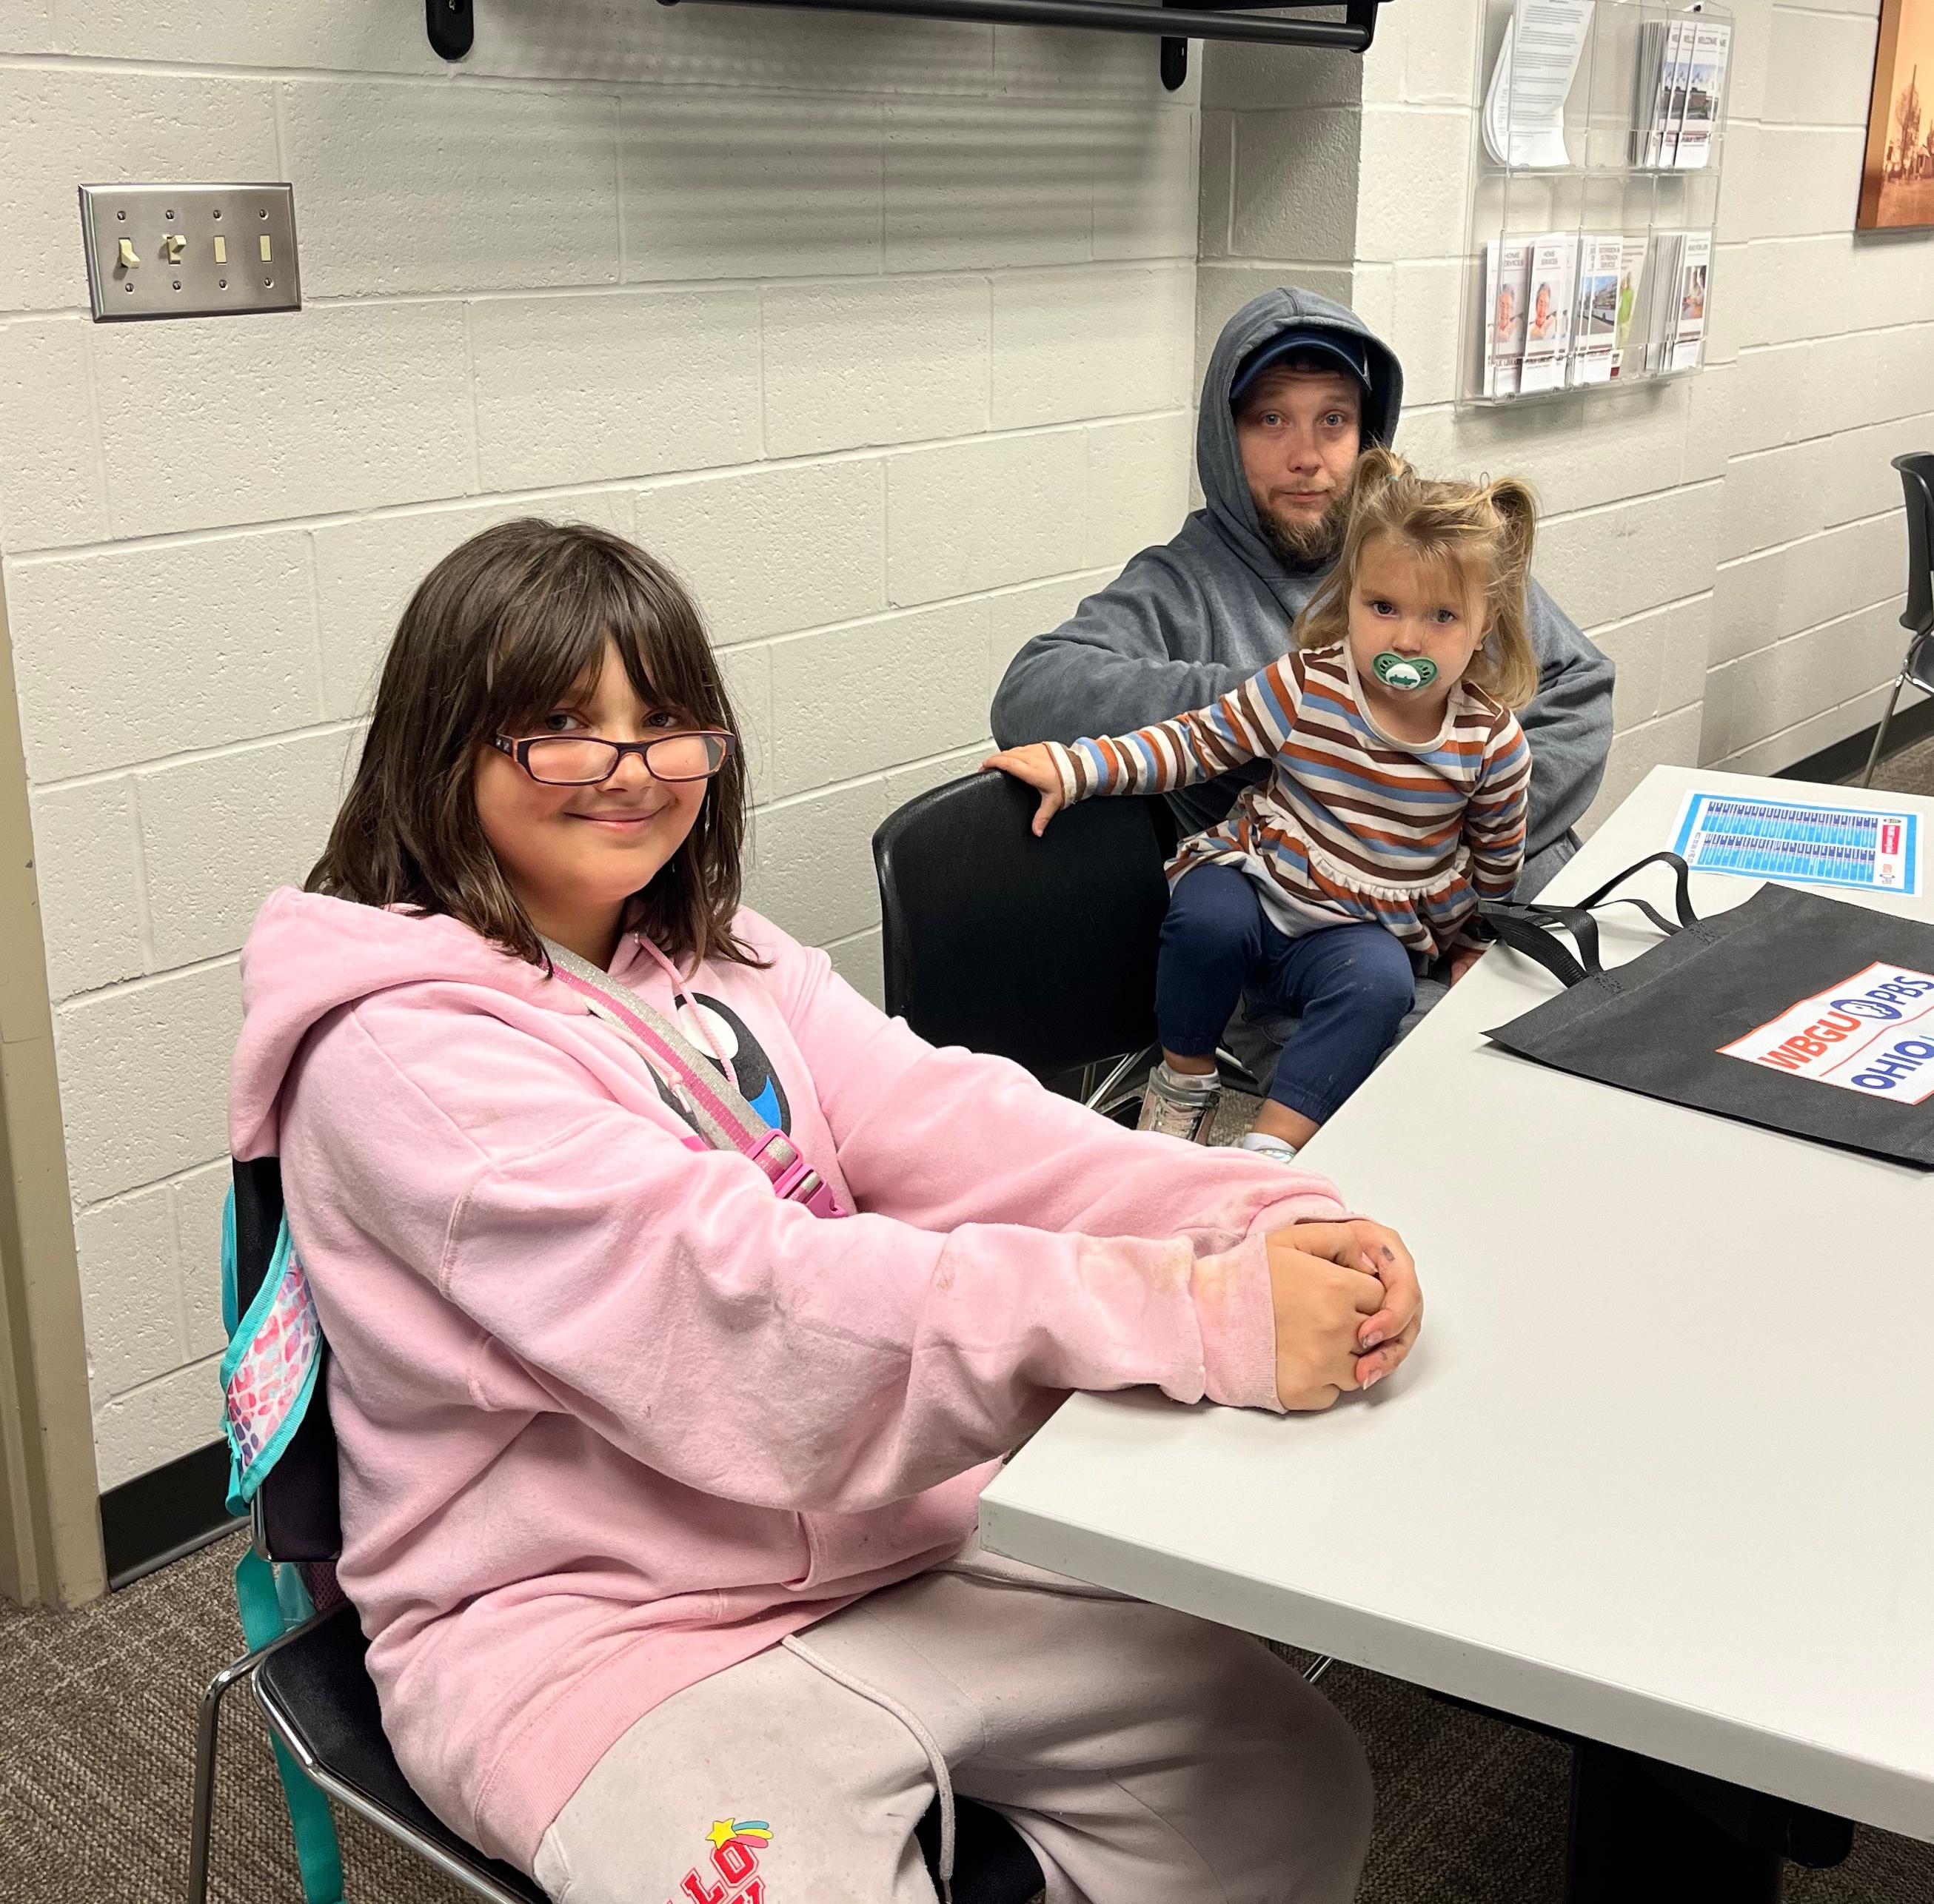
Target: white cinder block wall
[
  {"x": 1830, "y": 339},
  {"x": 881, "y": 333}
]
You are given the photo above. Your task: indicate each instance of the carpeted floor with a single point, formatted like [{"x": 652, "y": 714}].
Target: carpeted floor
[
  {"x": 96, "y": 1720},
  {"x": 1911, "y": 770},
  {"x": 96, "y": 1717}
]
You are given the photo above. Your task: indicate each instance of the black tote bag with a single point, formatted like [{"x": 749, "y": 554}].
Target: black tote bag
[{"x": 1796, "y": 1012}]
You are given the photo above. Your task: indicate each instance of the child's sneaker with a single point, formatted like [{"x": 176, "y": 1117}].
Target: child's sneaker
[{"x": 1180, "y": 1104}]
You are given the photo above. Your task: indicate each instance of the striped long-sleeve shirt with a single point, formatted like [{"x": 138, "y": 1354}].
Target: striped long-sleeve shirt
[{"x": 1350, "y": 825}]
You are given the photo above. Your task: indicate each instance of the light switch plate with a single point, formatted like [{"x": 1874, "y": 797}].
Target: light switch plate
[{"x": 198, "y": 250}]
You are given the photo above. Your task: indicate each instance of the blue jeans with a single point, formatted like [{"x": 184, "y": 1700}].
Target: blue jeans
[{"x": 1352, "y": 985}]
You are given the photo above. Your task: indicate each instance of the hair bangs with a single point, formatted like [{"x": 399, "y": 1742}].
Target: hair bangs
[
  {"x": 547, "y": 647},
  {"x": 1447, "y": 562}
]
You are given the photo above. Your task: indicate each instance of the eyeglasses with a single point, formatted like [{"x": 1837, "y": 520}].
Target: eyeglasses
[{"x": 583, "y": 760}]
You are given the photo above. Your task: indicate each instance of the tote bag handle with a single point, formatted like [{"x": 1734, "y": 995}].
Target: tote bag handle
[{"x": 1531, "y": 928}]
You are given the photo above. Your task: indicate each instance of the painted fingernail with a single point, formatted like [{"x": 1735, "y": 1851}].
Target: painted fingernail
[
  {"x": 1373, "y": 1340},
  {"x": 1371, "y": 1381}
]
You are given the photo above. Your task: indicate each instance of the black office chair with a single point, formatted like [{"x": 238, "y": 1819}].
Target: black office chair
[
  {"x": 1917, "y": 668},
  {"x": 319, "y": 1702},
  {"x": 1039, "y": 950}
]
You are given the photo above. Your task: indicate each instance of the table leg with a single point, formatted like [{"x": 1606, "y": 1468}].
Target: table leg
[{"x": 1634, "y": 1836}]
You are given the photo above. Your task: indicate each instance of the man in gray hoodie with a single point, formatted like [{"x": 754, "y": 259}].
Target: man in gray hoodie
[
  {"x": 1186, "y": 623},
  {"x": 1297, "y": 387}
]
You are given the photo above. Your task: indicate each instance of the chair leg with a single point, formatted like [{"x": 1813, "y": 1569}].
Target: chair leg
[
  {"x": 207, "y": 1727},
  {"x": 207, "y": 1737},
  {"x": 1880, "y": 732},
  {"x": 1317, "y": 1668},
  {"x": 1097, "y": 1099}
]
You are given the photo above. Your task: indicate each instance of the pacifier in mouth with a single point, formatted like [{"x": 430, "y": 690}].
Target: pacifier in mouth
[{"x": 1404, "y": 672}]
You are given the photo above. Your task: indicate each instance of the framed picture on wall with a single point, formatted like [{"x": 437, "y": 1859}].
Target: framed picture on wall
[{"x": 1897, "y": 184}]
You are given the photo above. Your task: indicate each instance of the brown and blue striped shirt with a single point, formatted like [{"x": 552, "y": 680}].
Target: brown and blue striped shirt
[{"x": 1350, "y": 825}]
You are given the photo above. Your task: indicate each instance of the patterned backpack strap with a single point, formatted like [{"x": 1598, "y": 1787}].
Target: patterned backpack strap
[
  {"x": 269, "y": 1373},
  {"x": 268, "y": 1380}
]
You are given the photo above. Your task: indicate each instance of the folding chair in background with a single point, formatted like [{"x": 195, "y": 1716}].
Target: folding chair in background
[{"x": 1917, "y": 666}]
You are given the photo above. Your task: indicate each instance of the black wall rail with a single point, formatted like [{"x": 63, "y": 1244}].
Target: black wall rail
[{"x": 450, "y": 29}]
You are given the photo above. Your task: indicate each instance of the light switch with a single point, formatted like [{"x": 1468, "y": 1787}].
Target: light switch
[{"x": 196, "y": 235}]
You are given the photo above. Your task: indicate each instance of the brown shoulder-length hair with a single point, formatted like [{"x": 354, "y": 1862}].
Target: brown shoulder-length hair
[
  {"x": 1482, "y": 531},
  {"x": 497, "y": 634}
]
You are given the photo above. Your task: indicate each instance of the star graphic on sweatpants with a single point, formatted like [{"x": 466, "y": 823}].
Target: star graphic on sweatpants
[{"x": 724, "y": 1830}]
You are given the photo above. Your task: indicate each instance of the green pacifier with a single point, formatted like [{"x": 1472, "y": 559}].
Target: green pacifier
[{"x": 1404, "y": 672}]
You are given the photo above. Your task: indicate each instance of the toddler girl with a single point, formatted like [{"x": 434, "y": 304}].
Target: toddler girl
[{"x": 1395, "y": 799}]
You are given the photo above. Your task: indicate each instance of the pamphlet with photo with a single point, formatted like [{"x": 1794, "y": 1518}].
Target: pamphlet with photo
[
  {"x": 1705, "y": 86},
  {"x": 1506, "y": 283},
  {"x": 1632, "y": 264},
  {"x": 1695, "y": 269},
  {"x": 1548, "y": 335},
  {"x": 1594, "y": 324}
]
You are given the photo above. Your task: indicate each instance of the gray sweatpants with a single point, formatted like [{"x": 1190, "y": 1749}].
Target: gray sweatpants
[{"x": 1147, "y": 1758}]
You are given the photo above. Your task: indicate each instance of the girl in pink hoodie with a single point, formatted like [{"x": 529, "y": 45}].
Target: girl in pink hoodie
[{"x": 657, "y": 1488}]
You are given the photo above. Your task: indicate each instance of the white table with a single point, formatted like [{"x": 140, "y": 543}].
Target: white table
[{"x": 1660, "y": 1472}]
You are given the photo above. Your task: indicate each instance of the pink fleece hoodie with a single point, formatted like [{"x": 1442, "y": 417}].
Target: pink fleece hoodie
[{"x": 612, "y": 1416}]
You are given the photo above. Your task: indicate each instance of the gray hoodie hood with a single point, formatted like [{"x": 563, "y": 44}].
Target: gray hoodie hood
[
  {"x": 1191, "y": 620},
  {"x": 1219, "y": 462}
]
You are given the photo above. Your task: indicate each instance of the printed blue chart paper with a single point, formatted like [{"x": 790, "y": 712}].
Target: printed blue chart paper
[{"x": 1801, "y": 843}]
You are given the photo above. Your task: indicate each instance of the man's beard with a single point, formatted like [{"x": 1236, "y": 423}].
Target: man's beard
[{"x": 1301, "y": 542}]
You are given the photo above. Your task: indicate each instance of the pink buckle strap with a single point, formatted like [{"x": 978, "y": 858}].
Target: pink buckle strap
[{"x": 792, "y": 1179}]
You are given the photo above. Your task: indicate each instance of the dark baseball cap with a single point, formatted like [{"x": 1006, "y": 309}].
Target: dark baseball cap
[{"x": 1348, "y": 353}]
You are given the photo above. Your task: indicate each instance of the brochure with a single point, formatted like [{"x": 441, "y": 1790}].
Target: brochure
[
  {"x": 1661, "y": 277},
  {"x": 1681, "y": 58},
  {"x": 1695, "y": 264},
  {"x": 1631, "y": 261},
  {"x": 1705, "y": 87},
  {"x": 1548, "y": 335},
  {"x": 1657, "y": 60},
  {"x": 1594, "y": 323},
  {"x": 1507, "y": 280},
  {"x": 1679, "y": 284}
]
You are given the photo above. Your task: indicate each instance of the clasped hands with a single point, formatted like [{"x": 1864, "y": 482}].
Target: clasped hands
[{"x": 1347, "y": 1307}]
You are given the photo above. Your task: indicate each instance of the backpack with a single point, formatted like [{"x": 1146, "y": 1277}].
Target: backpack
[{"x": 268, "y": 1380}]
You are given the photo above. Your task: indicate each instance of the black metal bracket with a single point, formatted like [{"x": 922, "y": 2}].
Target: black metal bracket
[
  {"x": 1360, "y": 17},
  {"x": 450, "y": 26},
  {"x": 1176, "y": 24}
]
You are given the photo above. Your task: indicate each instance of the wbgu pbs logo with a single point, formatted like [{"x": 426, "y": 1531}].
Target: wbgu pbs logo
[{"x": 1874, "y": 1034}]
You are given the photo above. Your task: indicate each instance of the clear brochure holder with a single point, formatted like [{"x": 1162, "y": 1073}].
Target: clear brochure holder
[{"x": 1587, "y": 165}]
